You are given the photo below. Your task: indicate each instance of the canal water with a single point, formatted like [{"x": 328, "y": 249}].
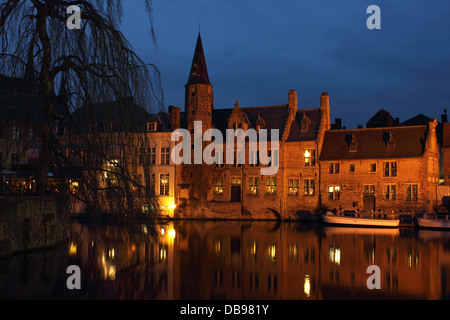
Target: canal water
[{"x": 235, "y": 260}]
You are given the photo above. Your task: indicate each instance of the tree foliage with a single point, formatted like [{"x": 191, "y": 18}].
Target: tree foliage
[{"x": 95, "y": 70}]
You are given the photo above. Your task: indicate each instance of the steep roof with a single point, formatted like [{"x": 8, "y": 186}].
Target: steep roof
[
  {"x": 381, "y": 119},
  {"x": 118, "y": 116},
  {"x": 373, "y": 143},
  {"x": 199, "y": 72},
  {"x": 163, "y": 120},
  {"x": 296, "y": 133},
  {"x": 419, "y": 119},
  {"x": 20, "y": 100}
]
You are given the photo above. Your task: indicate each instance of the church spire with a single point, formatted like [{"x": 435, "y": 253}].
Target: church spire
[
  {"x": 199, "y": 72},
  {"x": 29, "y": 68}
]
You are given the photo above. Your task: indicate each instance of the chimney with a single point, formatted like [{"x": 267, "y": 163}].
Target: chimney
[
  {"x": 175, "y": 112},
  {"x": 293, "y": 104},
  {"x": 325, "y": 100},
  {"x": 337, "y": 124},
  {"x": 325, "y": 108},
  {"x": 360, "y": 126},
  {"x": 444, "y": 116}
]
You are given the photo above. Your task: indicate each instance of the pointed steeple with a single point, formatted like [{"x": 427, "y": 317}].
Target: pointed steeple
[
  {"x": 62, "y": 93},
  {"x": 29, "y": 68},
  {"x": 199, "y": 72}
]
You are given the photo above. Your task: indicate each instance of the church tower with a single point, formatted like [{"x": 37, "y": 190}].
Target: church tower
[{"x": 199, "y": 94}]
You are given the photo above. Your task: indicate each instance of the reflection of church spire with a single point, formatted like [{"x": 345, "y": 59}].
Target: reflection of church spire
[{"x": 199, "y": 72}]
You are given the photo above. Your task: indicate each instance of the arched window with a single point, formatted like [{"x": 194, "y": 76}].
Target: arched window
[{"x": 305, "y": 123}]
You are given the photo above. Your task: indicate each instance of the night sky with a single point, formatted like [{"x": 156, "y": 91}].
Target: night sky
[{"x": 257, "y": 50}]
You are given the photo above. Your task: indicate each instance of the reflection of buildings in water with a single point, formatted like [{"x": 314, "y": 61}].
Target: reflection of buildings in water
[
  {"x": 260, "y": 260},
  {"x": 126, "y": 265},
  {"x": 410, "y": 268},
  {"x": 254, "y": 262}
]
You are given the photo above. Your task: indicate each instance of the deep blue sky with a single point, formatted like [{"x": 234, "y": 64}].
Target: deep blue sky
[{"x": 257, "y": 50}]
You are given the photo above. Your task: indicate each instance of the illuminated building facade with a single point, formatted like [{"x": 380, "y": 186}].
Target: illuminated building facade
[{"x": 391, "y": 168}]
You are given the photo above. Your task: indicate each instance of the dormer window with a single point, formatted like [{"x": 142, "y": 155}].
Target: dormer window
[
  {"x": 260, "y": 123},
  {"x": 151, "y": 126},
  {"x": 305, "y": 124},
  {"x": 391, "y": 143},
  {"x": 353, "y": 145}
]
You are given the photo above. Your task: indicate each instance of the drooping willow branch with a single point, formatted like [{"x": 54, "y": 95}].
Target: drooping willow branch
[{"x": 94, "y": 70}]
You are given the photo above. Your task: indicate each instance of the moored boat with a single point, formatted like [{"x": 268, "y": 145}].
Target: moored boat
[
  {"x": 330, "y": 218},
  {"x": 433, "y": 223}
]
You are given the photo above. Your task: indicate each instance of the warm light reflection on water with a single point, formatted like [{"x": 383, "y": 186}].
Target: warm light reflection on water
[{"x": 237, "y": 260}]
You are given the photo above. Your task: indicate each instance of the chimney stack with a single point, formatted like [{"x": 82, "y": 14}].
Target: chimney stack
[
  {"x": 293, "y": 104},
  {"x": 444, "y": 116},
  {"x": 175, "y": 122},
  {"x": 325, "y": 108}
]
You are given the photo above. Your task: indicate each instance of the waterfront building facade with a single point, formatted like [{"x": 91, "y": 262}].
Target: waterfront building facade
[{"x": 381, "y": 169}]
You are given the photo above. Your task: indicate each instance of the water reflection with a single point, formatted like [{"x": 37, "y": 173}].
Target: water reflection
[{"x": 239, "y": 260}]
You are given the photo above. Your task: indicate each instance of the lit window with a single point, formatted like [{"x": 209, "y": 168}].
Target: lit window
[
  {"x": 369, "y": 189},
  {"x": 310, "y": 157},
  {"x": 236, "y": 181},
  {"x": 309, "y": 187},
  {"x": 271, "y": 185},
  {"x": 293, "y": 186},
  {"x": 218, "y": 187},
  {"x": 253, "y": 185},
  {"x": 164, "y": 184},
  {"x": 334, "y": 193}
]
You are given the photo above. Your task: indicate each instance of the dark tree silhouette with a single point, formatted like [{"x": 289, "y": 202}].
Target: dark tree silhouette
[{"x": 95, "y": 93}]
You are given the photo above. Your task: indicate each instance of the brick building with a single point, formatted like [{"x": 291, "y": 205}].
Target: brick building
[
  {"x": 391, "y": 168},
  {"x": 239, "y": 190},
  {"x": 385, "y": 167}
]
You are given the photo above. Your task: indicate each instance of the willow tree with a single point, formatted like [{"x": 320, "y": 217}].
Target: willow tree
[{"x": 92, "y": 69}]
